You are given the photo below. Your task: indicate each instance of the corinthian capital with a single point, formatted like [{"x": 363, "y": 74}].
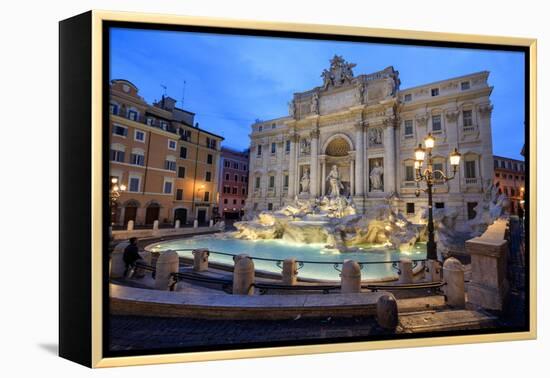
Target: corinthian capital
[{"x": 314, "y": 134}]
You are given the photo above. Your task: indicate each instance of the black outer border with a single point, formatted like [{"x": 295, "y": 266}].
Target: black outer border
[
  {"x": 75, "y": 189},
  {"x": 281, "y": 34}
]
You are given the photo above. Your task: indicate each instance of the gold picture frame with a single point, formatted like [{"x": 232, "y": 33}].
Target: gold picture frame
[{"x": 96, "y": 21}]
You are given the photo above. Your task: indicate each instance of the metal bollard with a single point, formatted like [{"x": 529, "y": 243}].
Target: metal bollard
[
  {"x": 290, "y": 272},
  {"x": 350, "y": 277},
  {"x": 453, "y": 275},
  {"x": 167, "y": 264},
  {"x": 177, "y": 224},
  {"x": 243, "y": 275},
  {"x": 156, "y": 225},
  {"x": 387, "y": 315},
  {"x": 406, "y": 271},
  {"x": 195, "y": 223},
  {"x": 200, "y": 260}
]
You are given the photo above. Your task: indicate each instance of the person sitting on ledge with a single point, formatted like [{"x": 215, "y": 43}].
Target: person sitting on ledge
[{"x": 130, "y": 257}]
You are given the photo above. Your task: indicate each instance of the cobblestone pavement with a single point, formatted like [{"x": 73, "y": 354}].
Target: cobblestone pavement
[{"x": 135, "y": 333}]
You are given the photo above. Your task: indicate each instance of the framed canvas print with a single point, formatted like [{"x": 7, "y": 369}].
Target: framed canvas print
[{"x": 235, "y": 189}]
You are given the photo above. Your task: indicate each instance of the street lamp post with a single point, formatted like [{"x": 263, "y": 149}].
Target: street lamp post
[
  {"x": 428, "y": 175},
  {"x": 114, "y": 194}
]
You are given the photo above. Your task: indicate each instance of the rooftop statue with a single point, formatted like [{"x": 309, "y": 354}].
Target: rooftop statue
[{"x": 340, "y": 72}]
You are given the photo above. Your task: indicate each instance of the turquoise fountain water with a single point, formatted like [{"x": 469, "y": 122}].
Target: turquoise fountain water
[{"x": 280, "y": 250}]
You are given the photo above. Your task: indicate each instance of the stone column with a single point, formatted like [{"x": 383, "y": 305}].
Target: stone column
[
  {"x": 243, "y": 276},
  {"x": 389, "y": 156},
  {"x": 406, "y": 268},
  {"x": 290, "y": 272},
  {"x": 167, "y": 263},
  {"x": 314, "y": 176},
  {"x": 292, "y": 167},
  {"x": 386, "y": 312},
  {"x": 359, "y": 159},
  {"x": 323, "y": 175},
  {"x": 352, "y": 176},
  {"x": 453, "y": 275},
  {"x": 350, "y": 277},
  {"x": 200, "y": 260}
]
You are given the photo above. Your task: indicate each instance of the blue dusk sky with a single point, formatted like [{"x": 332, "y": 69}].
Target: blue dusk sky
[{"x": 233, "y": 80}]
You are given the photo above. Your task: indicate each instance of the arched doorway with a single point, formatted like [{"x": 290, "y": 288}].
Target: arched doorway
[
  {"x": 152, "y": 213},
  {"x": 181, "y": 215},
  {"x": 130, "y": 211}
]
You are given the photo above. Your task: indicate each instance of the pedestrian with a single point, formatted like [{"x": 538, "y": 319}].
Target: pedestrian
[{"x": 130, "y": 257}]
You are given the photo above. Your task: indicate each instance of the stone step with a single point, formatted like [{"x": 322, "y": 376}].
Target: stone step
[
  {"x": 451, "y": 320},
  {"x": 421, "y": 304}
]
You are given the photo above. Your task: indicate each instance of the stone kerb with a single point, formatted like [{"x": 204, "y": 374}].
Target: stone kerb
[
  {"x": 290, "y": 272},
  {"x": 167, "y": 263},
  {"x": 200, "y": 259},
  {"x": 453, "y": 275},
  {"x": 350, "y": 277},
  {"x": 243, "y": 275},
  {"x": 117, "y": 265}
]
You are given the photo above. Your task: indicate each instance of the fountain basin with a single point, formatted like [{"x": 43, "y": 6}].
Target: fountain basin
[{"x": 318, "y": 259}]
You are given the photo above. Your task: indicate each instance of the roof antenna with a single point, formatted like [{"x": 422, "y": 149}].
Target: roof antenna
[
  {"x": 183, "y": 94},
  {"x": 164, "y": 87}
]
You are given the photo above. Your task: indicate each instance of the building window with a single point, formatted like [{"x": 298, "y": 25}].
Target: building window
[
  {"x": 209, "y": 159},
  {"x": 150, "y": 121},
  {"x": 234, "y": 201},
  {"x": 181, "y": 172},
  {"x": 185, "y": 134},
  {"x": 257, "y": 184},
  {"x": 113, "y": 108},
  {"x": 436, "y": 123},
  {"x": 120, "y": 131},
  {"x": 497, "y": 174},
  {"x": 117, "y": 155},
  {"x": 242, "y": 202},
  {"x": 243, "y": 191},
  {"x": 227, "y": 177},
  {"x": 236, "y": 177},
  {"x": 137, "y": 159},
  {"x": 179, "y": 194},
  {"x": 183, "y": 152},
  {"x": 470, "y": 169},
  {"x": 206, "y": 196},
  {"x": 226, "y": 164},
  {"x": 226, "y": 190},
  {"x": 225, "y": 201},
  {"x": 172, "y": 145},
  {"x": 471, "y": 209},
  {"x": 496, "y": 163},
  {"x": 133, "y": 115},
  {"x": 259, "y": 152},
  {"x": 208, "y": 176},
  {"x": 410, "y": 207},
  {"x": 408, "y": 97},
  {"x": 235, "y": 190},
  {"x": 244, "y": 167},
  {"x": 211, "y": 143},
  {"x": 273, "y": 148},
  {"x": 270, "y": 206},
  {"x": 435, "y": 92},
  {"x": 170, "y": 165},
  {"x": 260, "y": 128},
  {"x": 287, "y": 146},
  {"x": 440, "y": 205},
  {"x": 133, "y": 184},
  {"x": 285, "y": 182},
  {"x": 438, "y": 169},
  {"x": 409, "y": 173},
  {"x": 235, "y": 165},
  {"x": 409, "y": 128},
  {"x": 273, "y": 125},
  {"x": 164, "y": 125},
  {"x": 168, "y": 187},
  {"x": 139, "y": 136},
  {"x": 467, "y": 120},
  {"x": 465, "y": 85},
  {"x": 271, "y": 182}
]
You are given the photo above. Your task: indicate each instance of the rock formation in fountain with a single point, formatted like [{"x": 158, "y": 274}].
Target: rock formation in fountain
[
  {"x": 451, "y": 235},
  {"x": 334, "y": 222}
]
